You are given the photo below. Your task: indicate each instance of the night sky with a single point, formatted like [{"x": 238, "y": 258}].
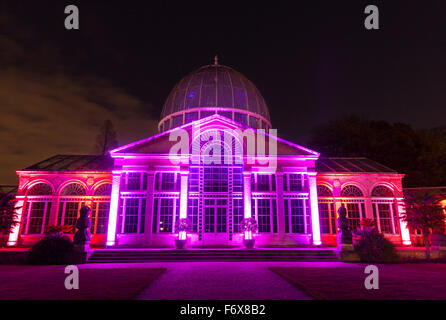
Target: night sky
[{"x": 312, "y": 63}]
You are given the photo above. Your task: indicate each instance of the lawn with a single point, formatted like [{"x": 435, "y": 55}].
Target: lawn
[
  {"x": 47, "y": 283},
  {"x": 417, "y": 281}
]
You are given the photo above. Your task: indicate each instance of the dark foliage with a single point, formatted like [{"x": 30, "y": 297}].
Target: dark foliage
[
  {"x": 55, "y": 248},
  {"x": 8, "y": 214},
  {"x": 420, "y": 154},
  {"x": 371, "y": 246}
]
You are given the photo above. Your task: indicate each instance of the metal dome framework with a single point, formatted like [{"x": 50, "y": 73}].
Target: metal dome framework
[{"x": 215, "y": 89}]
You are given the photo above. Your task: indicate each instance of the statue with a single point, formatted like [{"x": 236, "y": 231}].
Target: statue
[
  {"x": 83, "y": 224},
  {"x": 344, "y": 234}
]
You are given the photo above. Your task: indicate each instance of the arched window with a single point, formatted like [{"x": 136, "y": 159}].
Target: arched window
[
  {"x": 323, "y": 191},
  {"x": 40, "y": 189},
  {"x": 74, "y": 189},
  {"x": 37, "y": 209},
  {"x": 103, "y": 190},
  {"x": 351, "y": 191},
  {"x": 385, "y": 210},
  {"x": 70, "y": 203},
  {"x": 382, "y": 192},
  {"x": 327, "y": 215}
]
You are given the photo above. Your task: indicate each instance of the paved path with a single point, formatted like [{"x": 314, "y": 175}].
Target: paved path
[{"x": 221, "y": 281}]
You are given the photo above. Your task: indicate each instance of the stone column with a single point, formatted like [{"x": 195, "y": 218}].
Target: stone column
[
  {"x": 280, "y": 207},
  {"x": 314, "y": 209},
  {"x": 55, "y": 202},
  {"x": 113, "y": 215},
  {"x": 183, "y": 193},
  {"x": 148, "y": 222},
  {"x": 247, "y": 194},
  {"x": 405, "y": 234}
]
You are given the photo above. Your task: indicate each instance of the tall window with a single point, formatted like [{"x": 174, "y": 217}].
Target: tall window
[
  {"x": 356, "y": 213},
  {"x": 215, "y": 215},
  {"x": 192, "y": 213},
  {"x": 265, "y": 212},
  {"x": 101, "y": 208},
  {"x": 238, "y": 214},
  {"x": 38, "y": 217},
  {"x": 215, "y": 179},
  {"x": 295, "y": 182},
  {"x": 384, "y": 209},
  {"x": 37, "y": 210},
  {"x": 133, "y": 181},
  {"x": 165, "y": 214},
  {"x": 132, "y": 214},
  {"x": 296, "y": 216},
  {"x": 327, "y": 215},
  {"x": 167, "y": 181},
  {"x": 355, "y": 207},
  {"x": 263, "y": 182},
  {"x": 71, "y": 200}
]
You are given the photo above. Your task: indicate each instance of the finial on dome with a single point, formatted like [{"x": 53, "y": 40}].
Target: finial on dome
[{"x": 216, "y": 60}]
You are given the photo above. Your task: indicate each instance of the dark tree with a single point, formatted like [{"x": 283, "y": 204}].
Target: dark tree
[
  {"x": 106, "y": 139},
  {"x": 424, "y": 212},
  {"x": 8, "y": 214},
  {"x": 420, "y": 154}
]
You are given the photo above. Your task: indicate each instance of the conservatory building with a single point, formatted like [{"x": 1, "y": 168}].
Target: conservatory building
[{"x": 215, "y": 161}]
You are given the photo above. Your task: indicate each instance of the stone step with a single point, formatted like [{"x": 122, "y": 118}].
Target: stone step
[{"x": 108, "y": 256}]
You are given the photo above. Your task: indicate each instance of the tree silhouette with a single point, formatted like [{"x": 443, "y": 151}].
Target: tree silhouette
[
  {"x": 106, "y": 139},
  {"x": 424, "y": 212},
  {"x": 420, "y": 154}
]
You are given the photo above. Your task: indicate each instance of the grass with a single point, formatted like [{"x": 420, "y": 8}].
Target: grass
[
  {"x": 47, "y": 283},
  {"x": 396, "y": 282}
]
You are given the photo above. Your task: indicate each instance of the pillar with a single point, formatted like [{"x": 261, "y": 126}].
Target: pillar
[
  {"x": 184, "y": 176},
  {"x": 148, "y": 222},
  {"x": 113, "y": 215},
  {"x": 280, "y": 206},
  {"x": 247, "y": 194},
  {"x": 314, "y": 209},
  {"x": 405, "y": 234}
]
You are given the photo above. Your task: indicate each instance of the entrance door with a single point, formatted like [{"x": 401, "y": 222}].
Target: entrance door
[{"x": 215, "y": 226}]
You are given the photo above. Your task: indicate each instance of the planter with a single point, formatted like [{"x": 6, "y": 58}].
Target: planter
[
  {"x": 249, "y": 243},
  {"x": 180, "y": 244}
]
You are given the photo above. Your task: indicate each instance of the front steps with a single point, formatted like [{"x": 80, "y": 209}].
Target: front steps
[{"x": 210, "y": 255}]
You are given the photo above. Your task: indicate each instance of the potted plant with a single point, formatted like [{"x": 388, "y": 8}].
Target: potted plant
[
  {"x": 248, "y": 226},
  {"x": 183, "y": 225}
]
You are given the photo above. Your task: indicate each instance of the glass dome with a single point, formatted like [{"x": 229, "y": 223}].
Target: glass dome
[{"x": 215, "y": 89}]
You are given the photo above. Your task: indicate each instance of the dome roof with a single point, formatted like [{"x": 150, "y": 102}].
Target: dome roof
[{"x": 216, "y": 88}]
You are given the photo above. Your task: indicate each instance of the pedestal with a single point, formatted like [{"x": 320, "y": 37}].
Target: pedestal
[
  {"x": 81, "y": 253},
  {"x": 345, "y": 250}
]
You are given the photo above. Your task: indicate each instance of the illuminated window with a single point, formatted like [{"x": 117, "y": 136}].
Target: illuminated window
[
  {"x": 238, "y": 214},
  {"x": 192, "y": 213},
  {"x": 215, "y": 179},
  {"x": 37, "y": 217},
  {"x": 351, "y": 191},
  {"x": 215, "y": 215},
  {"x": 296, "y": 216},
  {"x": 384, "y": 210}
]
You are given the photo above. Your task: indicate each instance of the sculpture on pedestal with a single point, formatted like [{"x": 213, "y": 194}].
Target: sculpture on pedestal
[
  {"x": 82, "y": 237},
  {"x": 344, "y": 234},
  {"x": 83, "y": 224}
]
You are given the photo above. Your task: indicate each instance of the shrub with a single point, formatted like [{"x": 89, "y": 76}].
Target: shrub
[
  {"x": 55, "y": 248},
  {"x": 371, "y": 246}
]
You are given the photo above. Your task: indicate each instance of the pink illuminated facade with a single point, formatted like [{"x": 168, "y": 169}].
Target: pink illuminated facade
[{"x": 215, "y": 162}]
